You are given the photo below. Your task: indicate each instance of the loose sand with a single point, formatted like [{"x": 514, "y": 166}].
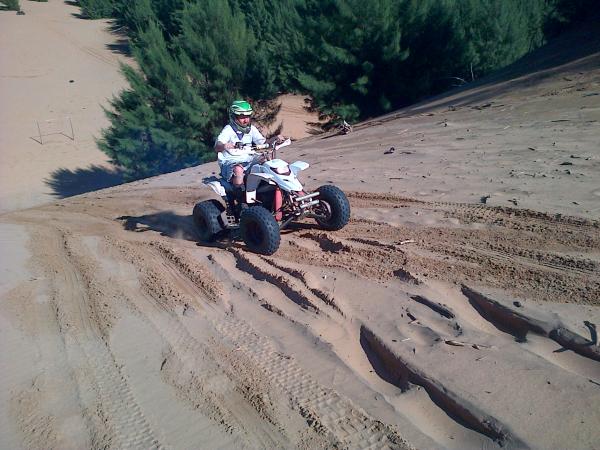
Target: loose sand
[
  {"x": 458, "y": 308},
  {"x": 53, "y": 65}
]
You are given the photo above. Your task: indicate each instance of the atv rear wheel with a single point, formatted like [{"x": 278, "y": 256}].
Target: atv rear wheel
[
  {"x": 333, "y": 207},
  {"x": 259, "y": 230},
  {"x": 206, "y": 217}
]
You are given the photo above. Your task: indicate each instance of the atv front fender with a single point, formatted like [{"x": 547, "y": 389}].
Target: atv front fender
[{"x": 298, "y": 166}]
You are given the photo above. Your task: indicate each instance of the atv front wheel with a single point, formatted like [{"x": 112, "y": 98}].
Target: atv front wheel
[
  {"x": 206, "y": 217},
  {"x": 333, "y": 208},
  {"x": 259, "y": 230}
]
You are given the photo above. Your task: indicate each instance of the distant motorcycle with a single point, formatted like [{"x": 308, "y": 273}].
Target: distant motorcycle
[{"x": 273, "y": 198}]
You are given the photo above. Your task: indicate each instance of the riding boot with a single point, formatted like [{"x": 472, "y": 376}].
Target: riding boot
[
  {"x": 239, "y": 194},
  {"x": 231, "y": 207}
]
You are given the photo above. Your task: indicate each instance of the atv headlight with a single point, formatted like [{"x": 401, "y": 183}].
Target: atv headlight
[{"x": 283, "y": 170}]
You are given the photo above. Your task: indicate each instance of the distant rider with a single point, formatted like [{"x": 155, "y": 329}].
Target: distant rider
[{"x": 233, "y": 159}]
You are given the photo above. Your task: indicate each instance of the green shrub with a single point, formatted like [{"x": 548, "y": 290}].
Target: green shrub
[
  {"x": 354, "y": 58},
  {"x": 97, "y": 9},
  {"x": 11, "y": 5}
]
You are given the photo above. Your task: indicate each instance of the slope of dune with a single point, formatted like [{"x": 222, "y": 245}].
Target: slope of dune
[
  {"x": 458, "y": 308},
  {"x": 57, "y": 71}
]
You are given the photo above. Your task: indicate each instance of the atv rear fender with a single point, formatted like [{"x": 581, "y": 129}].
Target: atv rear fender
[{"x": 216, "y": 185}]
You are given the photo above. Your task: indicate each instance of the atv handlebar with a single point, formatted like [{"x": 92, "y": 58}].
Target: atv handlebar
[{"x": 265, "y": 149}]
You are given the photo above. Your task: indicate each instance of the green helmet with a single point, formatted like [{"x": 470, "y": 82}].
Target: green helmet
[{"x": 239, "y": 108}]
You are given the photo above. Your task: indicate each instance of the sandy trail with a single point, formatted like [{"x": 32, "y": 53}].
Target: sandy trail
[
  {"x": 350, "y": 338},
  {"x": 458, "y": 309}
]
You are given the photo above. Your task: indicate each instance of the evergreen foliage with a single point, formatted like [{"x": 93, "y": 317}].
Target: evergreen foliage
[
  {"x": 364, "y": 58},
  {"x": 564, "y": 14},
  {"x": 354, "y": 58},
  {"x": 215, "y": 43},
  {"x": 11, "y": 5},
  {"x": 166, "y": 14},
  {"x": 97, "y": 9},
  {"x": 352, "y": 55},
  {"x": 160, "y": 124},
  {"x": 279, "y": 32},
  {"x": 135, "y": 17},
  {"x": 464, "y": 39}
]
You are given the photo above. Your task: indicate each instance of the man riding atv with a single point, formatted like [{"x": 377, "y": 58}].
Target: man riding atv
[
  {"x": 261, "y": 194},
  {"x": 239, "y": 132}
]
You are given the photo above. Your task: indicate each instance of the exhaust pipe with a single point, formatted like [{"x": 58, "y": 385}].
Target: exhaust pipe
[
  {"x": 309, "y": 204},
  {"x": 306, "y": 197}
]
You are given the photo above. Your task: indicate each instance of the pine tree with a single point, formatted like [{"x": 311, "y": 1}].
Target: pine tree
[
  {"x": 135, "y": 17},
  {"x": 272, "y": 62},
  {"x": 500, "y": 32},
  {"x": 215, "y": 44},
  {"x": 353, "y": 49},
  {"x": 166, "y": 13},
  {"x": 365, "y": 58},
  {"x": 157, "y": 125},
  {"x": 97, "y": 9}
]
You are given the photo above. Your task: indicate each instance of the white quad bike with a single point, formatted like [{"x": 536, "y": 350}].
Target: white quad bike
[{"x": 272, "y": 199}]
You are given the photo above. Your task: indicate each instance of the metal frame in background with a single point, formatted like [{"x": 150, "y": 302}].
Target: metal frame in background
[{"x": 40, "y": 135}]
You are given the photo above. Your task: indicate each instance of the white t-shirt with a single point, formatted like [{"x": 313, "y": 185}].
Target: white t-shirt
[{"x": 228, "y": 134}]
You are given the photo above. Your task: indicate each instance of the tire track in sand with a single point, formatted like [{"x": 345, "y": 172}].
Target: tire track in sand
[
  {"x": 324, "y": 409},
  {"x": 117, "y": 419},
  {"x": 327, "y": 412},
  {"x": 210, "y": 377}
]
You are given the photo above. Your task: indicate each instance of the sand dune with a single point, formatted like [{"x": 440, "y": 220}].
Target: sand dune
[
  {"x": 458, "y": 308},
  {"x": 53, "y": 66}
]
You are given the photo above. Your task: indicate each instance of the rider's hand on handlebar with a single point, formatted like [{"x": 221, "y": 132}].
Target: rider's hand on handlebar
[
  {"x": 229, "y": 145},
  {"x": 275, "y": 139}
]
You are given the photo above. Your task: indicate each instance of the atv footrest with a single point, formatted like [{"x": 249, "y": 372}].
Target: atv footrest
[{"x": 229, "y": 221}]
